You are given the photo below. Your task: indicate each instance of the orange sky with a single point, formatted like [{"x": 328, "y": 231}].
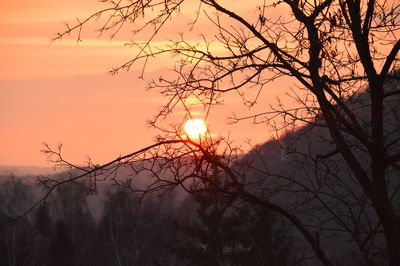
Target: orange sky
[{"x": 61, "y": 93}]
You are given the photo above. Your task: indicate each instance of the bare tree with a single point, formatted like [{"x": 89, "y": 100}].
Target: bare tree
[
  {"x": 337, "y": 52},
  {"x": 133, "y": 229},
  {"x": 16, "y": 238}
]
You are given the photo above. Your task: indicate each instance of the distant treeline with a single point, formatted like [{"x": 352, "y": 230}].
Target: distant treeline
[{"x": 132, "y": 229}]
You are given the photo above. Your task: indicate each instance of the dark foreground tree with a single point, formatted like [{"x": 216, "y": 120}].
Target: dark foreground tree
[
  {"x": 221, "y": 230},
  {"x": 342, "y": 56}
]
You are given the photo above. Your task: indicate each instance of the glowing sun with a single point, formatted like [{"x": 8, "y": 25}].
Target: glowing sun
[{"x": 195, "y": 128}]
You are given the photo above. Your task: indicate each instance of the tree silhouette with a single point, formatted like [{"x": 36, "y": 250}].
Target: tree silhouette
[
  {"x": 333, "y": 51},
  {"x": 61, "y": 246},
  {"x": 221, "y": 231},
  {"x": 17, "y": 237},
  {"x": 133, "y": 229}
]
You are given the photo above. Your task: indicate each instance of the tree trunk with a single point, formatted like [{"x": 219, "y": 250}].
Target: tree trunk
[{"x": 391, "y": 226}]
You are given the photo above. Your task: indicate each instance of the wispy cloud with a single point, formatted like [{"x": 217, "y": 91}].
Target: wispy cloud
[{"x": 98, "y": 43}]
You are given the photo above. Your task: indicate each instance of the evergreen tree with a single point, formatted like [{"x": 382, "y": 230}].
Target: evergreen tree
[
  {"x": 224, "y": 231},
  {"x": 61, "y": 247},
  {"x": 43, "y": 221},
  {"x": 43, "y": 225},
  {"x": 75, "y": 223}
]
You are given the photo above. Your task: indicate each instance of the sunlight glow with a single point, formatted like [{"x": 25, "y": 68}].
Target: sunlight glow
[{"x": 195, "y": 128}]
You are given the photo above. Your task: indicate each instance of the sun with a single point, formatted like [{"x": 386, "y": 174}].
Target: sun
[{"x": 195, "y": 128}]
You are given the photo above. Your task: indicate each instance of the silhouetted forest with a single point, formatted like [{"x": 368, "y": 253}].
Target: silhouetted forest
[{"x": 73, "y": 227}]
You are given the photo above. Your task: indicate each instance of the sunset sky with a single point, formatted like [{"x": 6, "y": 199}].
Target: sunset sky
[{"x": 61, "y": 92}]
